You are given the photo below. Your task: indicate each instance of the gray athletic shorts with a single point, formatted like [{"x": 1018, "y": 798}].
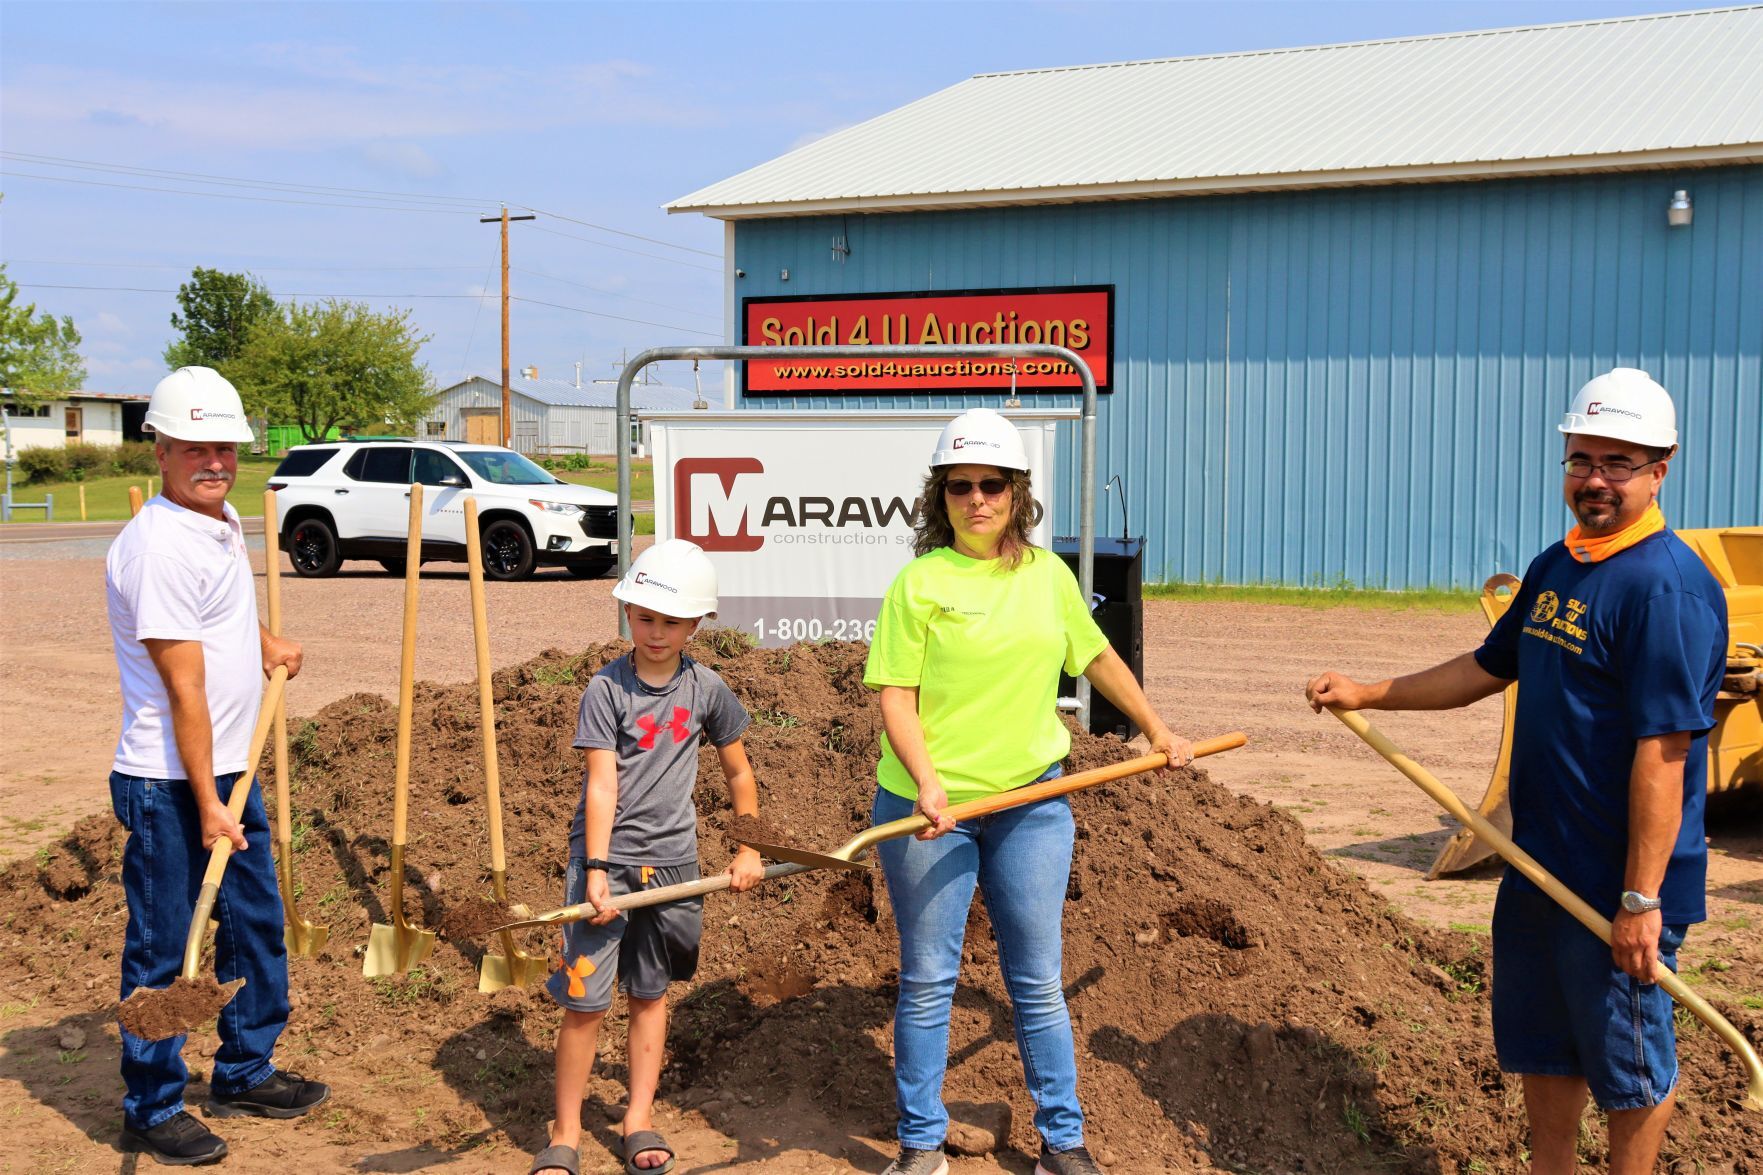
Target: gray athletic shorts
[{"x": 642, "y": 951}]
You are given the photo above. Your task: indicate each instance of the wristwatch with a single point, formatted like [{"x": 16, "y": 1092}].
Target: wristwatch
[
  {"x": 1639, "y": 903},
  {"x": 593, "y": 863}
]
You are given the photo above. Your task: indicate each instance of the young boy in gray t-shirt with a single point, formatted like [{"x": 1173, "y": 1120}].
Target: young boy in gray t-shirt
[{"x": 636, "y": 827}]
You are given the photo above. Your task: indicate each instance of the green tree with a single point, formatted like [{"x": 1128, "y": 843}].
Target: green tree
[
  {"x": 39, "y": 353},
  {"x": 331, "y": 365},
  {"x": 217, "y": 311}
]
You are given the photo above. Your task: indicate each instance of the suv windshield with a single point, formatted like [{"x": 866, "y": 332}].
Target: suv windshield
[{"x": 506, "y": 469}]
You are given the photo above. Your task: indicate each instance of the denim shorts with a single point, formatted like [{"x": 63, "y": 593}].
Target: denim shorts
[
  {"x": 643, "y": 950},
  {"x": 1562, "y": 1007}
]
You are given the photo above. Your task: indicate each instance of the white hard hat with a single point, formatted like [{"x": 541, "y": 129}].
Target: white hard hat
[
  {"x": 1624, "y": 404},
  {"x": 674, "y": 578},
  {"x": 198, "y": 404},
  {"x": 980, "y": 436}
]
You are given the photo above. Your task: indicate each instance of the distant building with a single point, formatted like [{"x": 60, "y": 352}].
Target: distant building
[
  {"x": 550, "y": 417},
  {"x": 94, "y": 418},
  {"x": 1336, "y": 297}
]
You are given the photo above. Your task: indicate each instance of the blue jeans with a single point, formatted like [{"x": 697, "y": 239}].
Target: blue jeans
[
  {"x": 1020, "y": 859},
  {"x": 162, "y": 864}
]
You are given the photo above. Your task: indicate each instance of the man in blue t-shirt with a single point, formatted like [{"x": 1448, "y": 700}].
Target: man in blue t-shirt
[{"x": 1618, "y": 638}]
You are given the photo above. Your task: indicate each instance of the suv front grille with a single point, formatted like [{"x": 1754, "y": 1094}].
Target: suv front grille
[{"x": 600, "y": 522}]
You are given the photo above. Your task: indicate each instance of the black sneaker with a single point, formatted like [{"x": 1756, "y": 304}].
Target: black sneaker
[
  {"x": 179, "y": 1141},
  {"x": 1075, "y": 1161},
  {"x": 283, "y": 1095},
  {"x": 913, "y": 1161}
]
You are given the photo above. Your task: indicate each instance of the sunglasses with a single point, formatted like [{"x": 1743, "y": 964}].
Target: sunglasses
[{"x": 960, "y": 487}]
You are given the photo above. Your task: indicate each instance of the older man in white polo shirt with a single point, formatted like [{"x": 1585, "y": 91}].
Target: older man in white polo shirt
[{"x": 192, "y": 656}]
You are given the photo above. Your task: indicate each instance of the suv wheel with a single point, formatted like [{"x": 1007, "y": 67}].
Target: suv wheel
[
  {"x": 508, "y": 550},
  {"x": 395, "y": 567},
  {"x": 592, "y": 568},
  {"x": 312, "y": 548}
]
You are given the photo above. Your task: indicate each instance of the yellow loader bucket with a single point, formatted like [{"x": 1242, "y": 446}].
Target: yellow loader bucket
[{"x": 1734, "y": 555}]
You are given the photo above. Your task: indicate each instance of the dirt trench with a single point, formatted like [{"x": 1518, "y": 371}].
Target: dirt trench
[{"x": 1239, "y": 1002}]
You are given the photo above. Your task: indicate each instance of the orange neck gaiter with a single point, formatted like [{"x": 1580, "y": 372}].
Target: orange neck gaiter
[{"x": 1596, "y": 550}]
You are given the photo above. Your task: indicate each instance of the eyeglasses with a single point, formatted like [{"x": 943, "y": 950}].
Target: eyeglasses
[
  {"x": 960, "y": 487},
  {"x": 1614, "y": 472}
]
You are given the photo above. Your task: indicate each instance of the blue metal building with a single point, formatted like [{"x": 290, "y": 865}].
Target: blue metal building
[{"x": 1343, "y": 363}]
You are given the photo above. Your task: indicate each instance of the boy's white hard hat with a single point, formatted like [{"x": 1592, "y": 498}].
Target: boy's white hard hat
[
  {"x": 1624, "y": 404},
  {"x": 674, "y": 578},
  {"x": 980, "y": 436},
  {"x": 198, "y": 404}
]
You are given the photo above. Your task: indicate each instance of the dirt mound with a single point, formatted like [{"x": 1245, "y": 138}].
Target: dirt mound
[{"x": 1239, "y": 1001}]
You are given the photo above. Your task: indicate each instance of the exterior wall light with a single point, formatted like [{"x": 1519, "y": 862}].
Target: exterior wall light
[{"x": 1679, "y": 212}]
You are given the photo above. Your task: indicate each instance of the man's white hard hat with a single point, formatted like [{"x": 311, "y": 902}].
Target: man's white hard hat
[
  {"x": 1624, "y": 404},
  {"x": 980, "y": 436},
  {"x": 674, "y": 578},
  {"x": 198, "y": 404}
]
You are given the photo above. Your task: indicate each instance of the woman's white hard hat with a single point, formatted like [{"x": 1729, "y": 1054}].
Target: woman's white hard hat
[
  {"x": 674, "y": 578},
  {"x": 1624, "y": 404},
  {"x": 980, "y": 436},
  {"x": 198, "y": 404}
]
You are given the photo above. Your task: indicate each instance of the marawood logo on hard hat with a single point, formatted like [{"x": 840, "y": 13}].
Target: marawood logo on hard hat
[
  {"x": 211, "y": 414},
  {"x": 644, "y": 577},
  {"x": 1598, "y": 408}
]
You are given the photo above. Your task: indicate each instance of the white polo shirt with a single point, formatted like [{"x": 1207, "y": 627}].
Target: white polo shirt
[{"x": 173, "y": 574}]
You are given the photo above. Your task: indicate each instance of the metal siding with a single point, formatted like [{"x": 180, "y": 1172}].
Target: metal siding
[{"x": 1355, "y": 385}]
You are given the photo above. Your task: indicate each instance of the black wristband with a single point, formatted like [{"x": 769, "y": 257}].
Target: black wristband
[{"x": 593, "y": 863}]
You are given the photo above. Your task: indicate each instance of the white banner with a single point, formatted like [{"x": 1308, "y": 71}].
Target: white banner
[{"x": 808, "y": 515}]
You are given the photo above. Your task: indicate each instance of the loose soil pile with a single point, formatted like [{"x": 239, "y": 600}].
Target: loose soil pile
[{"x": 1239, "y": 1002}]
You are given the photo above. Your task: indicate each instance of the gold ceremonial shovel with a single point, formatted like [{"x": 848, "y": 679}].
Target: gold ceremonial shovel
[
  {"x": 401, "y": 946},
  {"x": 301, "y": 936},
  {"x": 1568, "y": 900},
  {"x": 513, "y": 967}
]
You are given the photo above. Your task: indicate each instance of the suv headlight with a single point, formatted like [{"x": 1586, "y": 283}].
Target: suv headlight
[{"x": 569, "y": 508}]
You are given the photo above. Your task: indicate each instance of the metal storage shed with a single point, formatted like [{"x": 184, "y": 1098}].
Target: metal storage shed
[{"x": 549, "y": 416}]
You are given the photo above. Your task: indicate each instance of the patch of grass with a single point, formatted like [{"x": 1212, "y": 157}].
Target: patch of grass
[
  {"x": 1343, "y": 595},
  {"x": 1467, "y": 979},
  {"x": 605, "y": 477},
  {"x": 776, "y": 718},
  {"x": 1753, "y": 1002},
  {"x": 1472, "y": 928},
  {"x": 728, "y": 642},
  {"x": 303, "y": 743},
  {"x": 1355, "y": 1121},
  {"x": 107, "y": 498},
  {"x": 70, "y": 1056},
  {"x": 562, "y": 675},
  {"x": 418, "y": 986}
]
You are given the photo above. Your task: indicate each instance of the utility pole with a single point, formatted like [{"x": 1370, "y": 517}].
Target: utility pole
[{"x": 507, "y": 422}]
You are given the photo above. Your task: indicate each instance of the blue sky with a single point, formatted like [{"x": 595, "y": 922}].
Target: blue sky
[{"x": 598, "y": 112}]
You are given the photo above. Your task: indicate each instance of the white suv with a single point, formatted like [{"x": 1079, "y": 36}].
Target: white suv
[{"x": 351, "y": 500}]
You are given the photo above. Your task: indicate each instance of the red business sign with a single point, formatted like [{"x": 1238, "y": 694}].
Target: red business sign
[{"x": 1078, "y": 317}]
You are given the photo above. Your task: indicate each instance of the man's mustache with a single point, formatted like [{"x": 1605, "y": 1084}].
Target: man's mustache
[{"x": 209, "y": 475}]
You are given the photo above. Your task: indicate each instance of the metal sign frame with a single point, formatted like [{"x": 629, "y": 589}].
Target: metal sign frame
[{"x": 1086, "y": 516}]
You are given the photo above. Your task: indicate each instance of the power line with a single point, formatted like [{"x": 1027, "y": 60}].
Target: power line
[
  {"x": 232, "y": 181},
  {"x": 249, "y": 267},
  {"x": 614, "y": 293},
  {"x": 618, "y": 317},
  {"x": 622, "y": 249},
  {"x": 622, "y": 233},
  {"x": 62, "y": 179}
]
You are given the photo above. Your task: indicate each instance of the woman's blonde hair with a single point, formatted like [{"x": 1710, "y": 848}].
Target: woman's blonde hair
[{"x": 934, "y": 530}]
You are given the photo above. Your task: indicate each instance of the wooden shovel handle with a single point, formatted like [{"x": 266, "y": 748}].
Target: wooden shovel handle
[
  {"x": 1065, "y": 784},
  {"x": 134, "y": 500},
  {"x": 486, "y": 699},
  {"x": 272, "y": 590},
  {"x": 407, "y": 665},
  {"x": 1566, "y": 898}
]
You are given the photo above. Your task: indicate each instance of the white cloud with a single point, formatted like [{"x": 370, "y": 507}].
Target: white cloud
[
  {"x": 404, "y": 159},
  {"x": 107, "y": 323},
  {"x": 113, "y": 370}
]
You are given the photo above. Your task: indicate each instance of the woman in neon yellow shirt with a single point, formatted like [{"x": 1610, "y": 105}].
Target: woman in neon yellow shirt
[{"x": 967, "y": 654}]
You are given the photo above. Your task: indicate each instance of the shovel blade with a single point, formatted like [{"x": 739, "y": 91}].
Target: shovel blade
[
  {"x": 498, "y": 971},
  {"x": 393, "y": 949},
  {"x": 305, "y": 939},
  {"x": 812, "y": 860}
]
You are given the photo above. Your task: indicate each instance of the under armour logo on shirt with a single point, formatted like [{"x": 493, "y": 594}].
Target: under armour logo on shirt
[
  {"x": 582, "y": 968},
  {"x": 650, "y": 729}
]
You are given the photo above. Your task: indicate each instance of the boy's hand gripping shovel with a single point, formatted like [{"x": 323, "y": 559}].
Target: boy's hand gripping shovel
[
  {"x": 1566, "y": 898},
  {"x": 162, "y": 1013},
  {"x": 401, "y": 946},
  {"x": 513, "y": 967},
  {"x": 301, "y": 936},
  {"x": 795, "y": 860}
]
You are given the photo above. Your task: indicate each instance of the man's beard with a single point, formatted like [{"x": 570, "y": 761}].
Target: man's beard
[{"x": 1597, "y": 500}]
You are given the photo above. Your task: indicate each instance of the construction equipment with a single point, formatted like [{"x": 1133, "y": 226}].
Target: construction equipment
[
  {"x": 1566, "y": 898},
  {"x": 162, "y": 1013},
  {"x": 798, "y": 860},
  {"x": 302, "y": 937},
  {"x": 1734, "y": 555},
  {"x": 513, "y": 967},
  {"x": 401, "y": 946}
]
